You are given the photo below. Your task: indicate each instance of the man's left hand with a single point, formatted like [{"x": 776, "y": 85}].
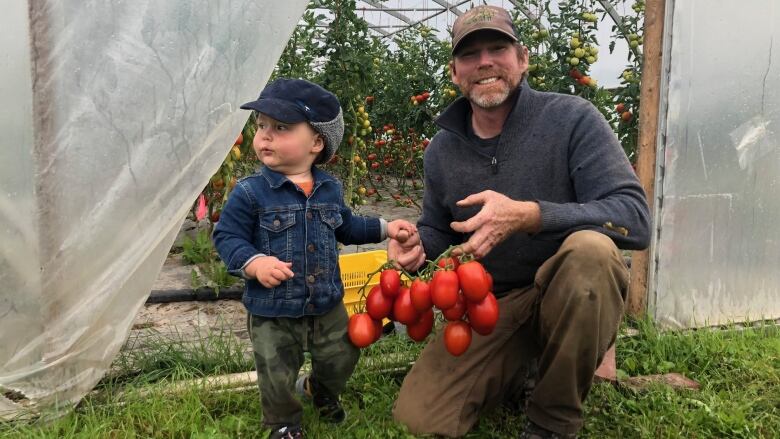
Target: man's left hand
[{"x": 499, "y": 218}]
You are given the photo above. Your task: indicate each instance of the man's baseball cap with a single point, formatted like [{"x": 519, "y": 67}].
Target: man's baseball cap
[
  {"x": 482, "y": 18},
  {"x": 297, "y": 100}
]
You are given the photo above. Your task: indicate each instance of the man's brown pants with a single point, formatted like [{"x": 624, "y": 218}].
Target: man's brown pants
[{"x": 566, "y": 321}]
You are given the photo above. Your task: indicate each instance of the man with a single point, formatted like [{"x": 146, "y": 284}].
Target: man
[{"x": 537, "y": 186}]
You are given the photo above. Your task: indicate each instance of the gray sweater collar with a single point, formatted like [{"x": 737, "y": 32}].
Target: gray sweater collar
[{"x": 454, "y": 117}]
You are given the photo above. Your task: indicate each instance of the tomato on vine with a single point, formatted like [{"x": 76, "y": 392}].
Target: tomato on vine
[
  {"x": 420, "y": 293},
  {"x": 361, "y": 330},
  {"x": 448, "y": 263},
  {"x": 403, "y": 310},
  {"x": 420, "y": 329},
  {"x": 483, "y": 315},
  {"x": 444, "y": 290},
  {"x": 390, "y": 282},
  {"x": 456, "y": 311},
  {"x": 473, "y": 280},
  {"x": 378, "y": 305},
  {"x": 457, "y": 337}
]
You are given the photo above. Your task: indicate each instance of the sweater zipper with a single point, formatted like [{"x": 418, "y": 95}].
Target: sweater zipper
[{"x": 494, "y": 165}]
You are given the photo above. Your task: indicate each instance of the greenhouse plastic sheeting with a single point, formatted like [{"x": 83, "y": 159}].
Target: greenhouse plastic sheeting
[
  {"x": 115, "y": 114},
  {"x": 717, "y": 249}
]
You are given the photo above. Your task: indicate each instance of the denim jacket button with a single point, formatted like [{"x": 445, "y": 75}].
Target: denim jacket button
[
  {"x": 310, "y": 278},
  {"x": 309, "y": 215},
  {"x": 310, "y": 307},
  {"x": 277, "y": 222},
  {"x": 310, "y": 248}
]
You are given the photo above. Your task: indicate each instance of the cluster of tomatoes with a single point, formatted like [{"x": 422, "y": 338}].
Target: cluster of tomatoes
[
  {"x": 461, "y": 291},
  {"x": 420, "y": 98},
  {"x": 623, "y": 112},
  {"x": 221, "y": 183}
]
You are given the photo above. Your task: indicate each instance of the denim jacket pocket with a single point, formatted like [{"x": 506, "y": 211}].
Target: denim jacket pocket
[
  {"x": 276, "y": 233},
  {"x": 331, "y": 217}
]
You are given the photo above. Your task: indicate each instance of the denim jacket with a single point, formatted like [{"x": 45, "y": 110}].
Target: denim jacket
[{"x": 267, "y": 213}]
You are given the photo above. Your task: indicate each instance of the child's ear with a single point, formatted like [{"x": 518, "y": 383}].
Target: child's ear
[{"x": 319, "y": 144}]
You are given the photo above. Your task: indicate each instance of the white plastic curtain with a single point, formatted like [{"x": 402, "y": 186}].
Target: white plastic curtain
[
  {"x": 716, "y": 252},
  {"x": 114, "y": 115}
]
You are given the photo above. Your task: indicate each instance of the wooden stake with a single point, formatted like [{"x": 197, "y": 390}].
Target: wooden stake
[{"x": 648, "y": 134}]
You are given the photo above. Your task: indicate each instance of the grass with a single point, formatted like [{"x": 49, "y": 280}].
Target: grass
[{"x": 737, "y": 369}]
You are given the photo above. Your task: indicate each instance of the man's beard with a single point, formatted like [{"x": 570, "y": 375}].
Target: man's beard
[{"x": 496, "y": 97}]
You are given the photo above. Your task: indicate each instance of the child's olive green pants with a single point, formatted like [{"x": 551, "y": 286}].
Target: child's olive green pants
[
  {"x": 279, "y": 344},
  {"x": 566, "y": 321}
]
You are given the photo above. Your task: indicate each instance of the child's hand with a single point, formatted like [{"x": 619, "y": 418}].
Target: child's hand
[
  {"x": 269, "y": 271},
  {"x": 400, "y": 230}
]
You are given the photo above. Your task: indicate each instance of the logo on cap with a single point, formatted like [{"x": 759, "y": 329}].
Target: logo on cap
[{"x": 480, "y": 14}]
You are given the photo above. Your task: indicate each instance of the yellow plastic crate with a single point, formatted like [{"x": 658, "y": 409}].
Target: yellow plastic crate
[{"x": 355, "y": 268}]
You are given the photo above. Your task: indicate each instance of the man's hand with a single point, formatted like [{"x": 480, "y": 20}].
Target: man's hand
[
  {"x": 404, "y": 246},
  {"x": 269, "y": 271},
  {"x": 499, "y": 218}
]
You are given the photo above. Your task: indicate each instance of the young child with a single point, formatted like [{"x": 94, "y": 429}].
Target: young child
[{"x": 278, "y": 230}]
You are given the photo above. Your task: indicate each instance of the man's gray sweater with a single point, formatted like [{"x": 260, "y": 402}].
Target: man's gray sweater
[{"x": 555, "y": 149}]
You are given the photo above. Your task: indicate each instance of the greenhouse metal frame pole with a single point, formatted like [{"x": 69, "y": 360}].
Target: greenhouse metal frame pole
[{"x": 649, "y": 99}]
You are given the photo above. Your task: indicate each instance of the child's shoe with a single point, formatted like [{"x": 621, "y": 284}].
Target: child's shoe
[
  {"x": 329, "y": 408},
  {"x": 287, "y": 432}
]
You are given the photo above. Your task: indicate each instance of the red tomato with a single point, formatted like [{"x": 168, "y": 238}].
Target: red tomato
[
  {"x": 444, "y": 291},
  {"x": 472, "y": 278},
  {"x": 239, "y": 139},
  {"x": 378, "y": 305},
  {"x": 377, "y": 329},
  {"x": 371, "y": 157},
  {"x": 361, "y": 330},
  {"x": 421, "y": 295},
  {"x": 390, "y": 282},
  {"x": 482, "y": 331},
  {"x": 620, "y": 108},
  {"x": 484, "y": 314},
  {"x": 626, "y": 116},
  {"x": 457, "y": 311},
  {"x": 403, "y": 311},
  {"x": 457, "y": 337},
  {"x": 448, "y": 263},
  {"x": 421, "y": 328}
]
